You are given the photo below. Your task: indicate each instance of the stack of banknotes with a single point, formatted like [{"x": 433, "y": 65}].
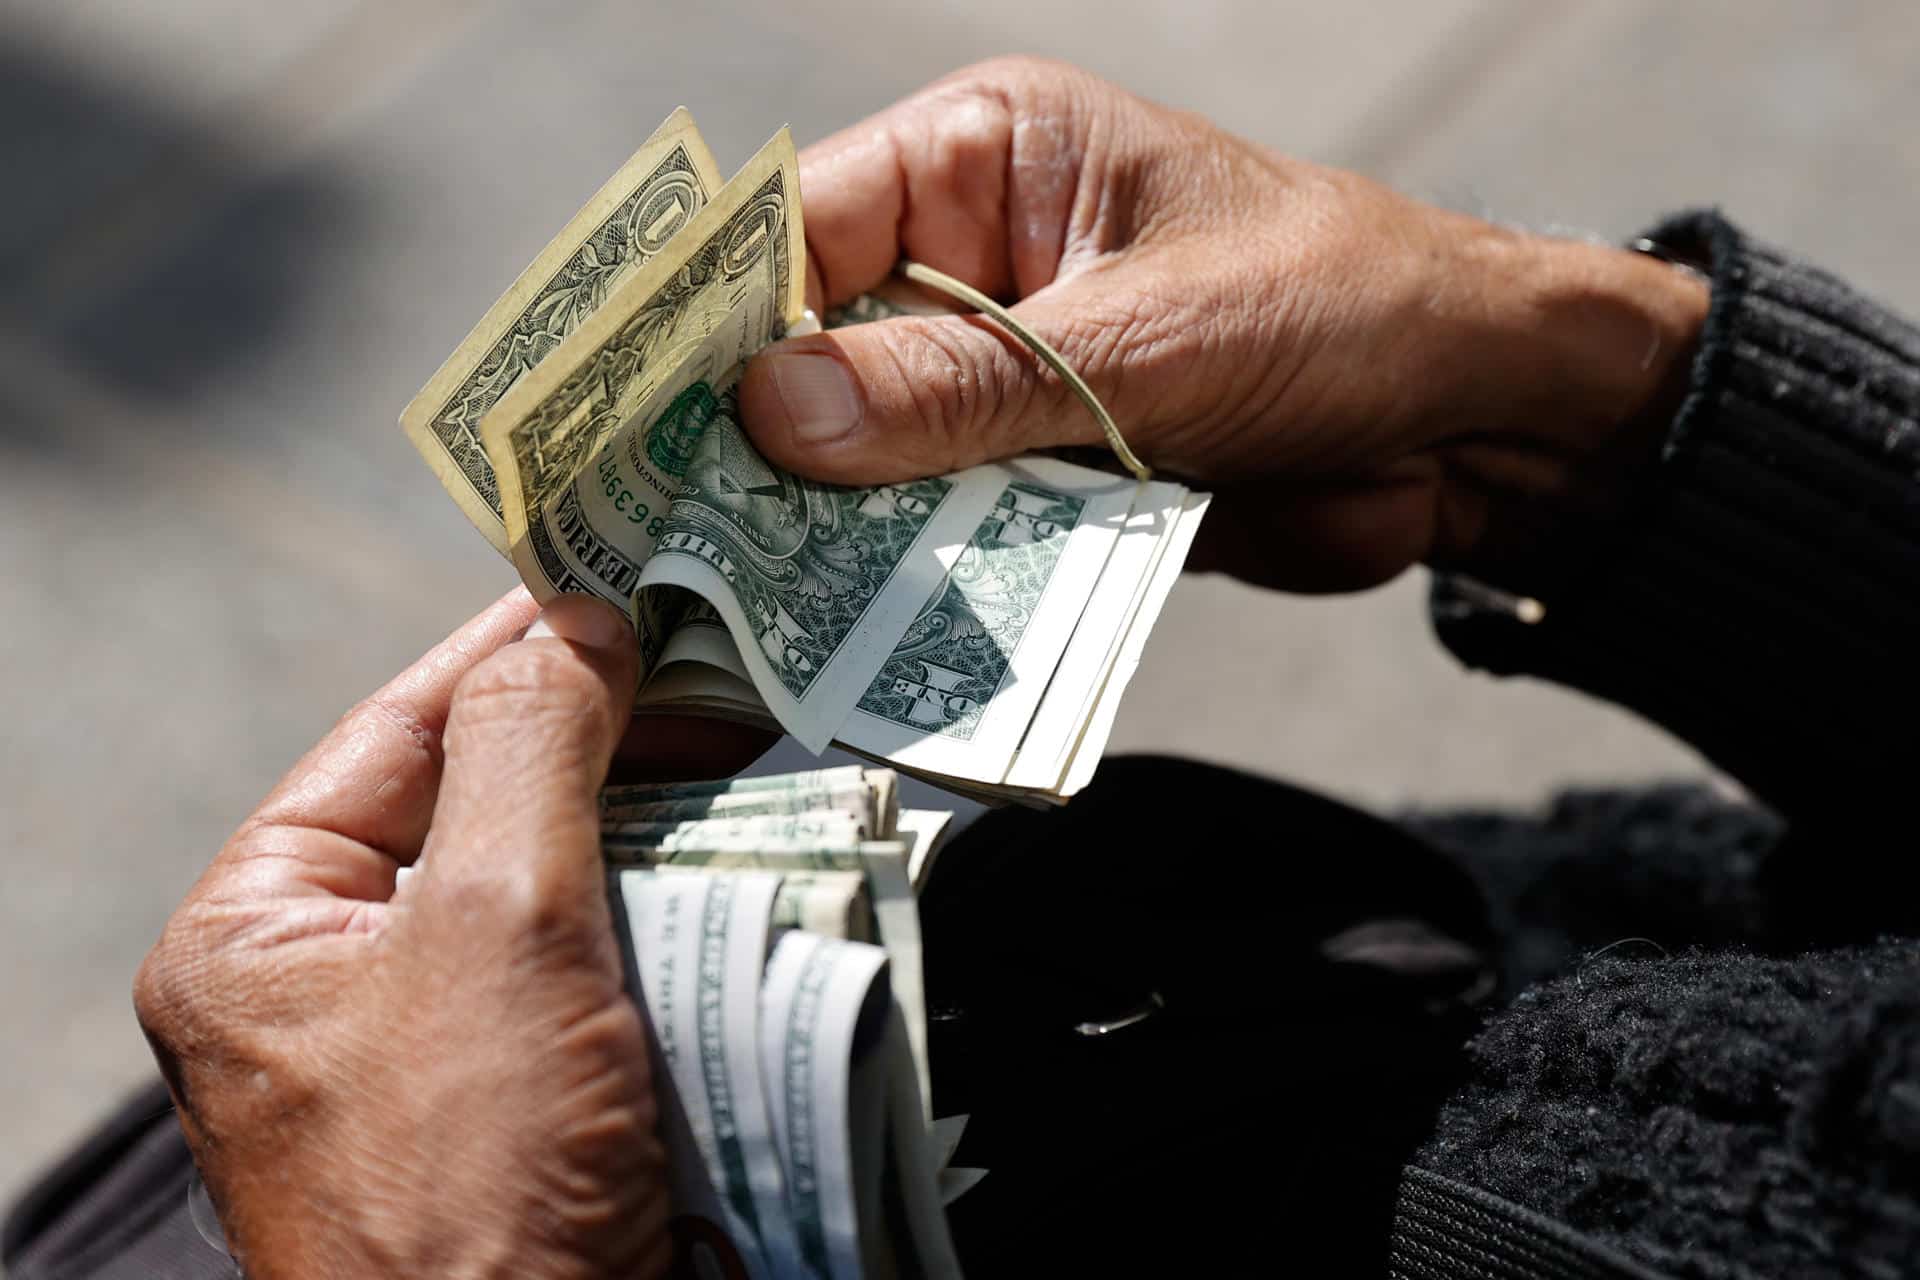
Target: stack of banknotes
[
  {"x": 772, "y": 940},
  {"x": 977, "y": 629}
]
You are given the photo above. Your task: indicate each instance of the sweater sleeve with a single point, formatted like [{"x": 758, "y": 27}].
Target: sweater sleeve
[{"x": 1761, "y": 599}]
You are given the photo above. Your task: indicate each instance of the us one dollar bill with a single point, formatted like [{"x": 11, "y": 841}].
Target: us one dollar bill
[
  {"x": 793, "y": 1094},
  {"x": 642, "y": 373},
  {"x": 701, "y": 945},
  {"x": 818, "y": 1007},
  {"x": 970, "y": 628},
  {"x": 628, "y": 221}
]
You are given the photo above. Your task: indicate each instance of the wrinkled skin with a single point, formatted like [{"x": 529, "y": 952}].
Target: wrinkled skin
[
  {"x": 453, "y": 1082},
  {"x": 1368, "y": 382}
]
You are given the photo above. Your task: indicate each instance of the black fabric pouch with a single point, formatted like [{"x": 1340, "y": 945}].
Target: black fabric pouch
[{"x": 1197, "y": 1020}]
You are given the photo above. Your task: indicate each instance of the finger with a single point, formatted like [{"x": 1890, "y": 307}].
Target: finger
[
  {"x": 924, "y": 395},
  {"x": 529, "y": 738},
  {"x": 976, "y": 175},
  {"x": 372, "y": 780}
]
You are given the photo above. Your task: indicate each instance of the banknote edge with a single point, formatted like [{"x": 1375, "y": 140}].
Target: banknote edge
[
  {"x": 417, "y": 418},
  {"x": 777, "y": 155}
]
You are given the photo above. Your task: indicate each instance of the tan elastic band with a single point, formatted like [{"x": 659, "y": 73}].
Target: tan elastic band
[{"x": 944, "y": 283}]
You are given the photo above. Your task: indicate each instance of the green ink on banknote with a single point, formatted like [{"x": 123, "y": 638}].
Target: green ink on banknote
[
  {"x": 957, "y": 652},
  {"x": 671, "y": 441}
]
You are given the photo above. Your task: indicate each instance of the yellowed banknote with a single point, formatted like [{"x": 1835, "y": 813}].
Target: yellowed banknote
[{"x": 627, "y": 222}]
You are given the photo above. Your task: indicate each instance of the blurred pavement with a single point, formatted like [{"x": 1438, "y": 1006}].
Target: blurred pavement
[{"x": 238, "y": 237}]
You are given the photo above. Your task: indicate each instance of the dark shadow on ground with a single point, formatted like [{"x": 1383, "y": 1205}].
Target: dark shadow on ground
[{"x": 144, "y": 247}]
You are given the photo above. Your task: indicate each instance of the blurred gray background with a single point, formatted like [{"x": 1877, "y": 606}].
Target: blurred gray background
[{"x": 237, "y": 237}]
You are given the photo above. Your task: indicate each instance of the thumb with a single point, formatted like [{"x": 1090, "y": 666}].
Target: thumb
[
  {"x": 916, "y": 396},
  {"x": 516, "y": 832}
]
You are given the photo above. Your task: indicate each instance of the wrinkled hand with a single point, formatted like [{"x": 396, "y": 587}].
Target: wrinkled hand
[
  {"x": 1365, "y": 380},
  {"x": 453, "y": 1082}
]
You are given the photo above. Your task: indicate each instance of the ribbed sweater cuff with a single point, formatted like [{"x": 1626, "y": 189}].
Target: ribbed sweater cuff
[{"x": 1761, "y": 599}]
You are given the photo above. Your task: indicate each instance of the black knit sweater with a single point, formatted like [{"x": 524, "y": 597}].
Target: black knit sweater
[{"x": 1736, "y": 1091}]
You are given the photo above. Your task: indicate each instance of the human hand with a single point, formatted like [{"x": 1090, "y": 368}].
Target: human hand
[
  {"x": 1365, "y": 381},
  {"x": 450, "y": 1081}
]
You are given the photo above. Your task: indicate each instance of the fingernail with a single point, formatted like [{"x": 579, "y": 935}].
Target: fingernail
[
  {"x": 583, "y": 620},
  {"x": 817, "y": 391}
]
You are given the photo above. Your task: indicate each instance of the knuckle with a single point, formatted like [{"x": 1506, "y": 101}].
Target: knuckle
[
  {"x": 1018, "y": 74},
  {"x": 943, "y": 358},
  {"x": 1016, "y": 90},
  {"x": 932, "y": 383},
  {"x": 1002, "y": 96},
  {"x": 390, "y": 721},
  {"x": 958, "y": 381},
  {"x": 169, "y": 985},
  {"x": 531, "y": 901},
  {"x": 155, "y": 992},
  {"x": 529, "y": 684},
  {"x": 974, "y": 116}
]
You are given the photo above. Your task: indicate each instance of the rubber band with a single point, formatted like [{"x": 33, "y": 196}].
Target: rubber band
[{"x": 964, "y": 292}]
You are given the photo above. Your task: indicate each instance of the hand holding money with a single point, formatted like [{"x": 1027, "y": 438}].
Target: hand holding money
[
  {"x": 977, "y": 628},
  {"x": 405, "y": 1040},
  {"x": 451, "y": 1080},
  {"x": 1366, "y": 381}
]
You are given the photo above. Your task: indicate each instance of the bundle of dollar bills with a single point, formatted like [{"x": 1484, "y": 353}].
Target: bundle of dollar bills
[
  {"x": 976, "y": 629},
  {"x": 773, "y": 943}
]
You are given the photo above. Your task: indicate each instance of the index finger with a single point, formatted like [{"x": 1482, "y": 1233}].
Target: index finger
[
  {"x": 374, "y": 778},
  {"x": 975, "y": 175}
]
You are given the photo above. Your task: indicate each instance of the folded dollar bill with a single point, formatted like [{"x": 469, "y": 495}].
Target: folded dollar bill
[
  {"x": 791, "y": 1078},
  {"x": 976, "y": 629}
]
